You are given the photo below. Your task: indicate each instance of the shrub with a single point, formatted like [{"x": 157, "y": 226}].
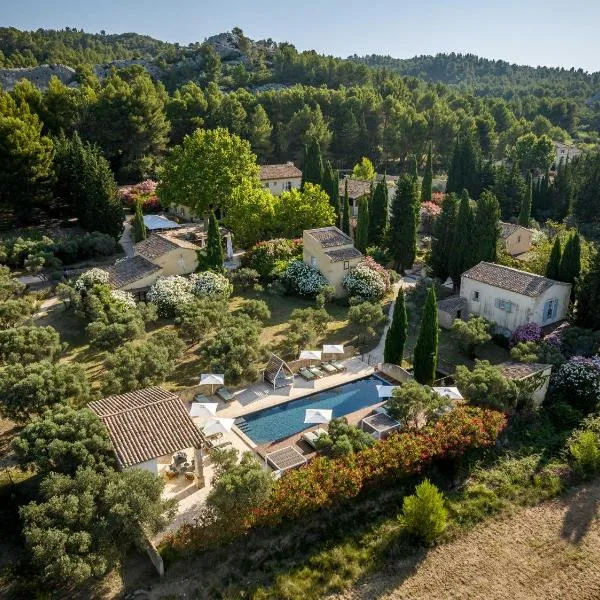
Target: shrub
[
  {"x": 424, "y": 516},
  {"x": 529, "y": 332},
  {"x": 578, "y": 383},
  {"x": 368, "y": 280},
  {"x": 305, "y": 327},
  {"x": 413, "y": 404},
  {"x": 304, "y": 279},
  {"x": 256, "y": 309},
  {"x": 244, "y": 278},
  {"x": 485, "y": 385},
  {"x": 576, "y": 341},
  {"x": 144, "y": 193},
  {"x": 342, "y": 439},
  {"x": 584, "y": 453},
  {"x": 91, "y": 278},
  {"x": 537, "y": 352},
  {"x": 210, "y": 285},
  {"x": 366, "y": 316},
  {"x": 170, "y": 295},
  {"x": 265, "y": 256},
  {"x": 200, "y": 318},
  {"x": 29, "y": 343},
  {"x": 471, "y": 333}
]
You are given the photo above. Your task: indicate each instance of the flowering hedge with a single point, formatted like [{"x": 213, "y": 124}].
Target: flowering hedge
[
  {"x": 170, "y": 294},
  {"x": 578, "y": 381},
  {"x": 304, "y": 279},
  {"x": 210, "y": 285},
  {"x": 144, "y": 193},
  {"x": 368, "y": 280},
  {"x": 324, "y": 482},
  {"x": 530, "y": 332},
  {"x": 90, "y": 278},
  {"x": 264, "y": 257}
]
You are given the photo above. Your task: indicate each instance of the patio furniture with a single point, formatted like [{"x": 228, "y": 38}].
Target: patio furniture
[
  {"x": 306, "y": 374},
  {"x": 338, "y": 365},
  {"x": 201, "y": 398},
  {"x": 328, "y": 368},
  {"x": 310, "y": 437},
  {"x": 316, "y": 372},
  {"x": 221, "y": 445},
  {"x": 278, "y": 373},
  {"x": 224, "y": 394},
  {"x": 214, "y": 436}
]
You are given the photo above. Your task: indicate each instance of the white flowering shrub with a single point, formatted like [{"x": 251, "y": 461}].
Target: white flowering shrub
[
  {"x": 578, "y": 383},
  {"x": 170, "y": 295},
  {"x": 91, "y": 278},
  {"x": 124, "y": 300},
  {"x": 365, "y": 282},
  {"x": 210, "y": 285},
  {"x": 304, "y": 279}
]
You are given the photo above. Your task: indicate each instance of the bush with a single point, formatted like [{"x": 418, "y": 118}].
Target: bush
[
  {"x": 368, "y": 280},
  {"x": 29, "y": 343},
  {"x": 200, "y": 318},
  {"x": 471, "y": 333},
  {"x": 584, "y": 453},
  {"x": 265, "y": 256},
  {"x": 171, "y": 295},
  {"x": 304, "y": 279},
  {"x": 366, "y": 316},
  {"x": 256, "y": 309},
  {"x": 413, "y": 404},
  {"x": 144, "y": 193},
  {"x": 486, "y": 386},
  {"x": 89, "y": 279},
  {"x": 424, "y": 516},
  {"x": 306, "y": 326},
  {"x": 210, "y": 285},
  {"x": 578, "y": 383},
  {"x": 536, "y": 352},
  {"x": 244, "y": 278},
  {"x": 342, "y": 439},
  {"x": 530, "y": 332}
]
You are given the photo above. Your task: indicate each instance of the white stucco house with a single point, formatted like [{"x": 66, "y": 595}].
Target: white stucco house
[
  {"x": 564, "y": 152},
  {"x": 510, "y": 297},
  {"x": 516, "y": 238},
  {"x": 280, "y": 178}
]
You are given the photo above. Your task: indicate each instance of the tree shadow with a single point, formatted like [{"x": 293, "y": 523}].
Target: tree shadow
[{"x": 582, "y": 511}]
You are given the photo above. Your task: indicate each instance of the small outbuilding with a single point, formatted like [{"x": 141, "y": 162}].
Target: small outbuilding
[
  {"x": 278, "y": 373},
  {"x": 516, "y": 238},
  {"x": 532, "y": 378},
  {"x": 451, "y": 308}
]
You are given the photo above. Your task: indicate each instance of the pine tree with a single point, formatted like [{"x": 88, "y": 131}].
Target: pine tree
[
  {"x": 379, "y": 213},
  {"x": 485, "y": 228},
  {"x": 138, "y": 228},
  {"x": 312, "y": 167},
  {"x": 461, "y": 256},
  {"x": 442, "y": 244},
  {"x": 427, "y": 176},
  {"x": 403, "y": 225},
  {"x": 426, "y": 350},
  {"x": 346, "y": 211},
  {"x": 214, "y": 249},
  {"x": 525, "y": 212},
  {"x": 588, "y": 297},
  {"x": 361, "y": 234},
  {"x": 553, "y": 266},
  {"x": 397, "y": 332},
  {"x": 570, "y": 262},
  {"x": 259, "y": 133}
]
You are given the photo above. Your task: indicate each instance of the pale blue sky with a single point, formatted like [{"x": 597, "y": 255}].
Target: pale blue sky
[{"x": 530, "y": 32}]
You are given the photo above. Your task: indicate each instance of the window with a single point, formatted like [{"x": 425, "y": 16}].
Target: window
[
  {"x": 346, "y": 265},
  {"x": 288, "y": 186},
  {"x": 518, "y": 239},
  {"x": 313, "y": 261},
  {"x": 475, "y": 296},
  {"x": 505, "y": 305},
  {"x": 550, "y": 309}
]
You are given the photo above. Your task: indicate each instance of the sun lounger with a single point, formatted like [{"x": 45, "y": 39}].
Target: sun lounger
[
  {"x": 200, "y": 398},
  {"x": 221, "y": 445},
  {"x": 338, "y": 365},
  {"x": 310, "y": 437},
  {"x": 316, "y": 372},
  {"x": 306, "y": 374},
  {"x": 328, "y": 368},
  {"x": 224, "y": 394}
]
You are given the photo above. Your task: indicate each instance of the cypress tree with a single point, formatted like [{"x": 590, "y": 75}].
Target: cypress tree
[
  {"x": 312, "y": 167},
  {"x": 553, "y": 266},
  {"x": 453, "y": 183},
  {"x": 461, "y": 256},
  {"x": 443, "y": 238},
  {"x": 588, "y": 297},
  {"x": 361, "y": 234},
  {"x": 426, "y": 350},
  {"x": 346, "y": 210},
  {"x": 214, "y": 249},
  {"x": 395, "y": 338},
  {"x": 331, "y": 186},
  {"x": 485, "y": 228},
  {"x": 427, "y": 176},
  {"x": 138, "y": 229},
  {"x": 379, "y": 213},
  {"x": 403, "y": 225},
  {"x": 570, "y": 262},
  {"x": 525, "y": 212},
  {"x": 464, "y": 170}
]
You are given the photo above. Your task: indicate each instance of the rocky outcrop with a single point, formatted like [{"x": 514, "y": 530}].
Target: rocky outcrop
[
  {"x": 39, "y": 76},
  {"x": 227, "y": 45}
]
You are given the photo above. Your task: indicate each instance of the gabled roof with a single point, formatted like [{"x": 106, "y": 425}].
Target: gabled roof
[
  {"x": 452, "y": 304},
  {"x": 507, "y": 229},
  {"x": 146, "y": 424},
  {"x": 516, "y": 370},
  {"x": 285, "y": 171},
  {"x": 357, "y": 188},
  {"x": 129, "y": 269},
  {"x": 155, "y": 245},
  {"x": 329, "y": 237},
  {"x": 343, "y": 254},
  {"x": 513, "y": 280}
]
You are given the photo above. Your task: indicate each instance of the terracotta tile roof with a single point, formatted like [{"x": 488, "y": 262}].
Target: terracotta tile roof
[
  {"x": 130, "y": 269},
  {"x": 515, "y": 370},
  {"x": 507, "y": 229},
  {"x": 343, "y": 254},
  {"x": 330, "y": 237},
  {"x": 285, "y": 171},
  {"x": 155, "y": 245},
  {"x": 146, "y": 424},
  {"x": 357, "y": 188},
  {"x": 452, "y": 304},
  {"x": 513, "y": 280}
]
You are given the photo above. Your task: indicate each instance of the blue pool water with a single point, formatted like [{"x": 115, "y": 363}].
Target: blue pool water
[{"x": 281, "y": 421}]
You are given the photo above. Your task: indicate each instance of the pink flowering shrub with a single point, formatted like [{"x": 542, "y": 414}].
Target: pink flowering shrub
[
  {"x": 530, "y": 332},
  {"x": 144, "y": 192}
]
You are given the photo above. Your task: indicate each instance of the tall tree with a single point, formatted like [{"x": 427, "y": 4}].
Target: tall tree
[
  {"x": 364, "y": 170},
  {"x": 486, "y": 228},
  {"x": 588, "y": 297},
  {"x": 395, "y": 338},
  {"x": 331, "y": 185},
  {"x": 570, "y": 262},
  {"x": 461, "y": 257},
  {"x": 312, "y": 166},
  {"x": 525, "y": 211},
  {"x": 426, "y": 350},
  {"x": 361, "y": 233},
  {"x": 259, "y": 133},
  {"x": 203, "y": 172},
  {"x": 427, "y": 176},
  {"x": 553, "y": 266},
  {"x": 442, "y": 245},
  {"x": 186, "y": 110},
  {"x": 379, "y": 213},
  {"x": 138, "y": 228},
  {"x": 403, "y": 225},
  {"x": 464, "y": 172},
  {"x": 85, "y": 182},
  {"x": 214, "y": 247},
  {"x": 586, "y": 204},
  {"x": 346, "y": 210}
]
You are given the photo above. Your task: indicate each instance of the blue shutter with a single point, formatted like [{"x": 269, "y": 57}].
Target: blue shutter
[{"x": 555, "y": 308}]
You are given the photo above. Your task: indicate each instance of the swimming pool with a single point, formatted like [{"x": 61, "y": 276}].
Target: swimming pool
[{"x": 281, "y": 421}]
